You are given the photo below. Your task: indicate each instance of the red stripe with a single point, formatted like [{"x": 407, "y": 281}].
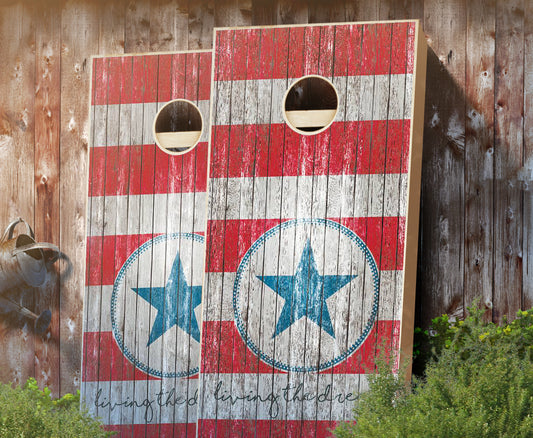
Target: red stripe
[
  {"x": 151, "y": 78},
  {"x": 103, "y": 360},
  {"x": 150, "y": 84},
  {"x": 264, "y": 428},
  {"x": 399, "y": 47},
  {"x": 382, "y": 338},
  {"x": 164, "y": 81},
  {"x": 410, "y": 67},
  {"x": 107, "y": 254},
  {"x": 370, "y": 147},
  {"x": 100, "y": 81},
  {"x": 113, "y": 89},
  {"x": 296, "y": 52},
  {"x": 281, "y": 52},
  {"x": 327, "y": 42},
  {"x": 240, "y": 38},
  {"x": 126, "y": 79},
  {"x": 145, "y": 169},
  {"x": 224, "y": 351},
  {"x": 154, "y": 430},
  {"x": 178, "y": 76},
  {"x": 229, "y": 240},
  {"x": 137, "y": 79},
  {"x": 309, "y": 51},
  {"x": 191, "y": 85},
  {"x": 204, "y": 78}
]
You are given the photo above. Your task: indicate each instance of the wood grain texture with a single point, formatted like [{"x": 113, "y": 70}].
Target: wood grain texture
[
  {"x": 79, "y": 38},
  {"x": 47, "y": 168},
  {"x": 17, "y": 171},
  {"x": 508, "y": 157},
  {"x": 443, "y": 169},
  {"x": 526, "y": 173},
  {"x": 168, "y": 25},
  {"x": 479, "y": 153},
  {"x": 201, "y": 23}
]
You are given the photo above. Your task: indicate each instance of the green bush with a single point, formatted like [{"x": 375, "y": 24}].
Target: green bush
[
  {"x": 29, "y": 412},
  {"x": 478, "y": 384}
]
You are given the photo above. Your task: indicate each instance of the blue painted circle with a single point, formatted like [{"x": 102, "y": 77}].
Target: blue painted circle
[
  {"x": 245, "y": 262},
  {"x": 116, "y": 286}
]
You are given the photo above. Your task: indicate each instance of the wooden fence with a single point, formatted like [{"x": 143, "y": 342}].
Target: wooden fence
[{"x": 476, "y": 203}]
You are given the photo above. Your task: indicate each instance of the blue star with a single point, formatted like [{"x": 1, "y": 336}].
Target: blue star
[
  {"x": 175, "y": 304},
  {"x": 305, "y": 293}
]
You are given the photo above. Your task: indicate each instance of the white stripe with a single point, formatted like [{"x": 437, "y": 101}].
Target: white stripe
[
  {"x": 142, "y": 402},
  {"x": 218, "y": 296},
  {"x": 378, "y": 97},
  {"x": 294, "y": 396},
  {"x": 131, "y": 124},
  {"x": 218, "y": 300},
  {"x": 373, "y": 195},
  {"x": 146, "y": 214}
]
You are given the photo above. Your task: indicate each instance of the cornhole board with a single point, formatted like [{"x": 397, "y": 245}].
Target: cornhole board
[
  {"x": 311, "y": 237},
  {"x": 145, "y": 247}
]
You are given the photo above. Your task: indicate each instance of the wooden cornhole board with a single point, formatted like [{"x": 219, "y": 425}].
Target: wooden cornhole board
[
  {"x": 145, "y": 243},
  {"x": 312, "y": 232}
]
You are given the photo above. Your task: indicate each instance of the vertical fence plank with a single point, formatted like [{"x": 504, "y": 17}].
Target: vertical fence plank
[
  {"x": 291, "y": 11},
  {"x": 526, "y": 175},
  {"x": 111, "y": 27},
  {"x": 233, "y": 13},
  {"x": 479, "y": 149},
  {"x": 201, "y": 22},
  {"x": 326, "y": 12},
  {"x": 47, "y": 126},
  {"x": 137, "y": 27},
  {"x": 169, "y": 23},
  {"x": 441, "y": 270},
  {"x": 508, "y": 156},
  {"x": 79, "y": 40},
  {"x": 16, "y": 171}
]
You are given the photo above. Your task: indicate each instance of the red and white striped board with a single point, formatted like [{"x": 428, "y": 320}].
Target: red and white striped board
[
  {"x": 145, "y": 247},
  {"x": 311, "y": 236}
]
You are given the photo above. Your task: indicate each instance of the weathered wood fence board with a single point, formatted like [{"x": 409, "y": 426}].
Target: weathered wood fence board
[{"x": 101, "y": 27}]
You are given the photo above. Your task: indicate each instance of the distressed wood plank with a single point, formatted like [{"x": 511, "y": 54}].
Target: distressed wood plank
[
  {"x": 364, "y": 10},
  {"x": 16, "y": 171},
  {"x": 443, "y": 170},
  {"x": 47, "y": 219},
  {"x": 111, "y": 27},
  {"x": 137, "y": 27},
  {"x": 326, "y": 12},
  {"x": 233, "y": 13},
  {"x": 479, "y": 153},
  {"x": 526, "y": 173},
  {"x": 508, "y": 158},
  {"x": 168, "y": 25},
  {"x": 201, "y": 23},
  {"x": 292, "y": 11},
  {"x": 79, "y": 39}
]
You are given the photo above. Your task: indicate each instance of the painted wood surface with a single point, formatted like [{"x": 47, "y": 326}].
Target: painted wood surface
[
  {"x": 98, "y": 27},
  {"x": 305, "y": 243},
  {"x": 145, "y": 247}
]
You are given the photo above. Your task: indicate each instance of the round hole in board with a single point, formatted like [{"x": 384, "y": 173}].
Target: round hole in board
[
  {"x": 178, "y": 126},
  {"x": 310, "y": 105}
]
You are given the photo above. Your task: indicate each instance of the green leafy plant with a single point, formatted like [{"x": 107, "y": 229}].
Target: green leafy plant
[
  {"x": 479, "y": 383},
  {"x": 30, "y": 412}
]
